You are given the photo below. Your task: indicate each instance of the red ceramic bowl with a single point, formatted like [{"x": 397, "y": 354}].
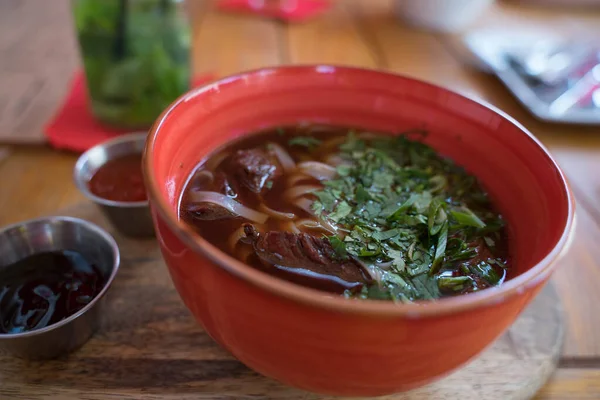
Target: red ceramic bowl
[{"x": 327, "y": 344}]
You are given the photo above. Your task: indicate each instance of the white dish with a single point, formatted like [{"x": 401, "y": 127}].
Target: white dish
[{"x": 440, "y": 15}]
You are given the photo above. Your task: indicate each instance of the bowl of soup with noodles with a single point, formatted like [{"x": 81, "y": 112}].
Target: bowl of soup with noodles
[{"x": 352, "y": 232}]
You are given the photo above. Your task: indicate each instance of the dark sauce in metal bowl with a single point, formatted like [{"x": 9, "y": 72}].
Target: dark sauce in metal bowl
[{"x": 45, "y": 288}]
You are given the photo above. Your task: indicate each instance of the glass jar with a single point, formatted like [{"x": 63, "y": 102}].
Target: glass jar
[{"x": 136, "y": 55}]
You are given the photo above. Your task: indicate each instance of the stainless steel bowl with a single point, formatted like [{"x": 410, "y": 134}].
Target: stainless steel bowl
[
  {"x": 52, "y": 234},
  {"x": 130, "y": 218}
]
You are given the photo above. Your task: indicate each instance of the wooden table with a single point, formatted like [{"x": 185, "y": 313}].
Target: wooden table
[{"x": 37, "y": 181}]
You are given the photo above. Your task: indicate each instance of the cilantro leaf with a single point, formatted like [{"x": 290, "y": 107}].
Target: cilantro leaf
[
  {"x": 338, "y": 246},
  {"x": 361, "y": 195},
  {"x": 326, "y": 199},
  {"x": 426, "y": 286},
  {"x": 466, "y": 217},
  {"x": 409, "y": 213},
  {"x": 342, "y": 210},
  {"x": 304, "y": 141},
  {"x": 440, "y": 250},
  {"x": 454, "y": 283}
]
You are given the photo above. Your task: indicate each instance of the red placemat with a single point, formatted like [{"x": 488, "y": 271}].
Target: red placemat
[
  {"x": 287, "y": 10},
  {"x": 74, "y": 128}
]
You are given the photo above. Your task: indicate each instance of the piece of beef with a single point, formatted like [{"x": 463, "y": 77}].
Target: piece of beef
[
  {"x": 207, "y": 211},
  {"x": 300, "y": 251},
  {"x": 253, "y": 168}
]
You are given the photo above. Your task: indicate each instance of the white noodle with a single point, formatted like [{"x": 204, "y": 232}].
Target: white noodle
[
  {"x": 300, "y": 190},
  {"x": 244, "y": 252},
  {"x": 291, "y": 227},
  {"x": 304, "y": 204},
  {"x": 334, "y": 160},
  {"x": 336, "y": 141},
  {"x": 312, "y": 224},
  {"x": 384, "y": 265},
  {"x": 371, "y": 270},
  {"x": 295, "y": 178},
  {"x": 235, "y": 237},
  {"x": 216, "y": 160},
  {"x": 274, "y": 213},
  {"x": 229, "y": 204},
  {"x": 203, "y": 176},
  {"x": 368, "y": 135},
  {"x": 286, "y": 161},
  {"x": 318, "y": 170}
]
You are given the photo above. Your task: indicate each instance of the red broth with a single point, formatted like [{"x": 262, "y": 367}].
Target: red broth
[
  {"x": 349, "y": 212},
  {"x": 120, "y": 180}
]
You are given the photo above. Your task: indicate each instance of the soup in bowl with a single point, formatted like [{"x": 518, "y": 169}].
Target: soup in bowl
[{"x": 352, "y": 232}]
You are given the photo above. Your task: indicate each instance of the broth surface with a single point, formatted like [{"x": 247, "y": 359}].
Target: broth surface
[
  {"x": 347, "y": 211},
  {"x": 120, "y": 179}
]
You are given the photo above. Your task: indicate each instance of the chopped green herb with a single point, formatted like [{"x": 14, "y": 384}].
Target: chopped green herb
[
  {"x": 437, "y": 217},
  {"x": 304, "y": 141},
  {"x": 403, "y": 208},
  {"x": 380, "y": 236},
  {"x": 466, "y": 217},
  {"x": 362, "y": 196},
  {"x": 411, "y": 214},
  {"x": 338, "y": 245},
  {"x": 487, "y": 272},
  {"x": 341, "y": 211},
  {"x": 454, "y": 283},
  {"x": 426, "y": 286},
  {"x": 440, "y": 250}
]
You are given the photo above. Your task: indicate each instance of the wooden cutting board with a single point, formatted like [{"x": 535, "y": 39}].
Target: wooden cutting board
[
  {"x": 150, "y": 347},
  {"x": 38, "y": 56}
]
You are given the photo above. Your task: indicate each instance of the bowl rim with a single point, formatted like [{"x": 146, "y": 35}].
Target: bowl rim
[
  {"x": 536, "y": 275},
  {"x": 116, "y": 261},
  {"x": 81, "y": 183}
]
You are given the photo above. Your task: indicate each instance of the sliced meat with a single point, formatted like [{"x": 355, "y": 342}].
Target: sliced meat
[
  {"x": 307, "y": 255},
  {"x": 207, "y": 211},
  {"x": 253, "y": 168}
]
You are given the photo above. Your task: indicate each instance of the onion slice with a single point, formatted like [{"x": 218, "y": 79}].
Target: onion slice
[
  {"x": 229, "y": 204},
  {"x": 286, "y": 161}
]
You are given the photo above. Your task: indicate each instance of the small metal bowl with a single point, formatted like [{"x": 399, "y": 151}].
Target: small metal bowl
[
  {"x": 130, "y": 218},
  {"x": 24, "y": 239}
]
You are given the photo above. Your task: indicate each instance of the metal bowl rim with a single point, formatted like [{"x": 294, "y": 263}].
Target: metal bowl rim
[{"x": 82, "y": 186}]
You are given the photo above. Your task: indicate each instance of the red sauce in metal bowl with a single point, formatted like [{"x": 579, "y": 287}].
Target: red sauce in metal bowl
[{"x": 120, "y": 179}]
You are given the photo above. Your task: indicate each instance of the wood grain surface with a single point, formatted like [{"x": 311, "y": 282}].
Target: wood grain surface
[
  {"x": 38, "y": 56},
  {"x": 37, "y": 181},
  {"x": 149, "y": 346},
  {"x": 4, "y": 152}
]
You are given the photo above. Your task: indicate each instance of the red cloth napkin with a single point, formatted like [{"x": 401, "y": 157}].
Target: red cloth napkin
[
  {"x": 287, "y": 10},
  {"x": 74, "y": 127}
]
